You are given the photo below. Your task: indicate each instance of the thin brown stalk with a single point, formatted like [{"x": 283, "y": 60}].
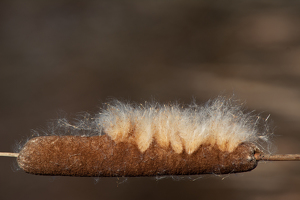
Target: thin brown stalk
[
  {"x": 9, "y": 154},
  {"x": 278, "y": 157}
]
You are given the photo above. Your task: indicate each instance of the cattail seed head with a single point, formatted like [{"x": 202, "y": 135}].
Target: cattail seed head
[
  {"x": 150, "y": 140},
  {"x": 100, "y": 156}
]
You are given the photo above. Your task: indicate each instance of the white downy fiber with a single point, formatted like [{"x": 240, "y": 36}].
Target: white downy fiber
[{"x": 220, "y": 122}]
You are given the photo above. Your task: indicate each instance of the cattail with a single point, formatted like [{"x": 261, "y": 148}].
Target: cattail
[{"x": 152, "y": 140}]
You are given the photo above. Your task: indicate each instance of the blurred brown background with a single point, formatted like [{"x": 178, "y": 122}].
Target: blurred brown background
[{"x": 74, "y": 56}]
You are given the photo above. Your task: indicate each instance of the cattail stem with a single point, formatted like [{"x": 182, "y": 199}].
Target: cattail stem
[
  {"x": 277, "y": 157},
  {"x": 9, "y": 154}
]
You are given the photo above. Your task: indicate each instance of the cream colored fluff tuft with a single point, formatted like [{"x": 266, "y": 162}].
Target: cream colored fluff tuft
[{"x": 219, "y": 122}]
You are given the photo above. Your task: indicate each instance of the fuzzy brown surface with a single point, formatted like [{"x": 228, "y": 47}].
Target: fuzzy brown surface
[{"x": 101, "y": 156}]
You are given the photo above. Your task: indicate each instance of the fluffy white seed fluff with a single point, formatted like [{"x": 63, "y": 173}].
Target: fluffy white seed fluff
[{"x": 219, "y": 122}]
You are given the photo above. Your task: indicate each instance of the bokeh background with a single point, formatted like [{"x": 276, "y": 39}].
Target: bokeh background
[{"x": 72, "y": 56}]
